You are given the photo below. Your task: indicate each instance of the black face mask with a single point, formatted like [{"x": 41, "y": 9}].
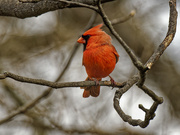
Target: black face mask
[{"x": 86, "y": 39}]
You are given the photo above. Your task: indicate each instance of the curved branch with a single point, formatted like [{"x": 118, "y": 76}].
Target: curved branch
[
  {"x": 165, "y": 43},
  {"x": 149, "y": 113},
  {"x": 169, "y": 37}
]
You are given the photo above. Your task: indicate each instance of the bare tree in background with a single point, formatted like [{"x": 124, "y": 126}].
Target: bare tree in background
[{"x": 61, "y": 111}]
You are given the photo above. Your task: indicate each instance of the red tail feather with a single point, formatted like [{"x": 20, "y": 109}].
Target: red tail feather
[{"x": 91, "y": 90}]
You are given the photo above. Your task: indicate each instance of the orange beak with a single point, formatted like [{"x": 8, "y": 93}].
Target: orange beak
[{"x": 81, "y": 40}]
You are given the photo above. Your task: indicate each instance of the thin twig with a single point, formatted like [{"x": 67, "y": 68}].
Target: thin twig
[
  {"x": 72, "y": 3},
  {"x": 123, "y": 19}
]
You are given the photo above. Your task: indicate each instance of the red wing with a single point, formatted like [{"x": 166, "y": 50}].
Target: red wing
[{"x": 115, "y": 53}]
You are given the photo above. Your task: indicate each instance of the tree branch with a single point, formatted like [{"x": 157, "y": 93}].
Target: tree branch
[
  {"x": 46, "y": 93},
  {"x": 124, "y": 19},
  {"x": 56, "y": 84},
  {"x": 32, "y": 8},
  {"x": 169, "y": 37},
  {"x": 149, "y": 113}
]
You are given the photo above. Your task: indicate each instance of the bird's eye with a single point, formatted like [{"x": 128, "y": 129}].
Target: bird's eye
[{"x": 86, "y": 37}]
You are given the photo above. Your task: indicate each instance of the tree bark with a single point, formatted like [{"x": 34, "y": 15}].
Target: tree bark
[{"x": 31, "y": 8}]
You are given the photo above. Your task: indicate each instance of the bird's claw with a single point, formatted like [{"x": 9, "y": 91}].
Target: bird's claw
[
  {"x": 113, "y": 83},
  {"x": 96, "y": 81}
]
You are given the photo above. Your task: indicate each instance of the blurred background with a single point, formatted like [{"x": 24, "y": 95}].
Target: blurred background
[{"x": 39, "y": 47}]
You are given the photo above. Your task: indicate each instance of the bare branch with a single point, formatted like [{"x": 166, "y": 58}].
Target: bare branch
[
  {"x": 149, "y": 113},
  {"x": 124, "y": 19},
  {"x": 165, "y": 43},
  {"x": 56, "y": 84},
  {"x": 78, "y": 4},
  {"x": 169, "y": 37},
  {"x": 151, "y": 94},
  {"x": 117, "y": 97},
  {"x": 31, "y": 8}
]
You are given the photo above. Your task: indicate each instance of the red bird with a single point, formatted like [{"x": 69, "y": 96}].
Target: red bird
[{"x": 99, "y": 57}]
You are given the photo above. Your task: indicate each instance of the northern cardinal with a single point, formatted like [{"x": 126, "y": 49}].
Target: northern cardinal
[{"x": 99, "y": 57}]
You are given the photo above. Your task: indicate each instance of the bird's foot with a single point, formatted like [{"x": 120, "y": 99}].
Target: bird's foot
[
  {"x": 112, "y": 82},
  {"x": 96, "y": 81}
]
